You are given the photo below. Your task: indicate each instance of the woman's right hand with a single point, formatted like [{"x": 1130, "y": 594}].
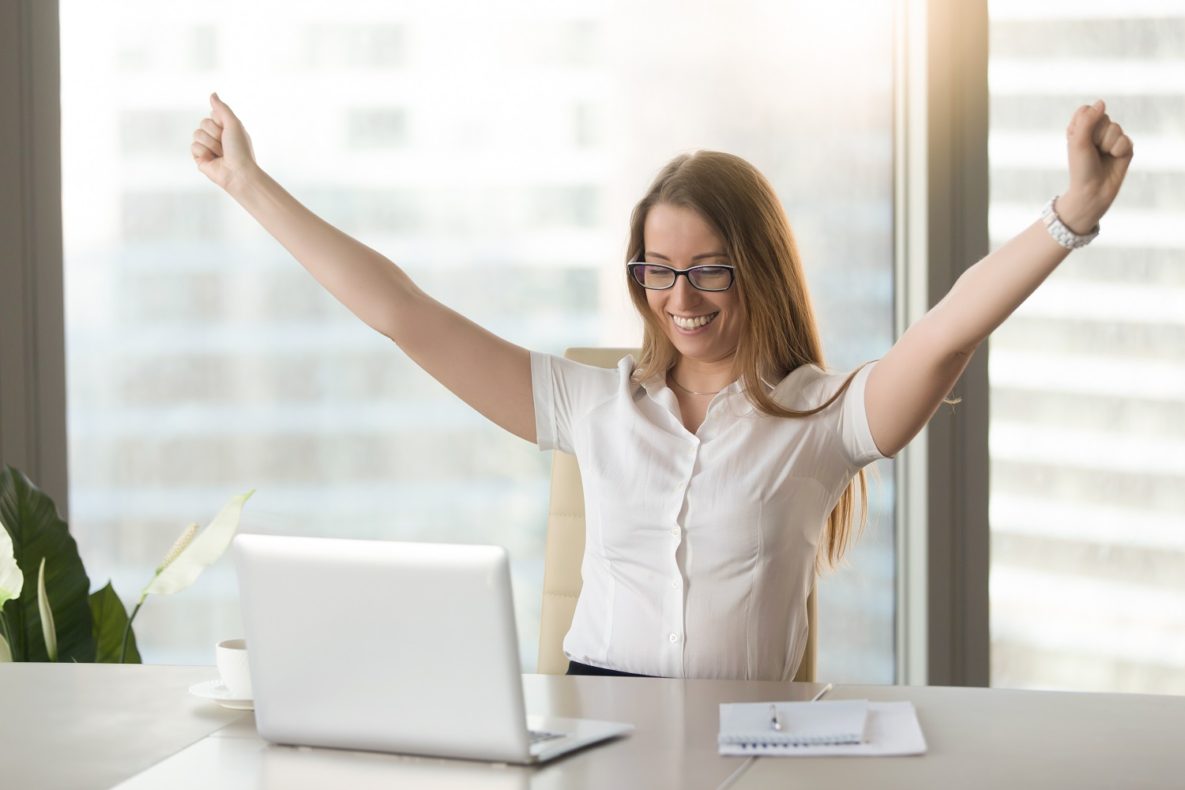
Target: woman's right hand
[{"x": 221, "y": 146}]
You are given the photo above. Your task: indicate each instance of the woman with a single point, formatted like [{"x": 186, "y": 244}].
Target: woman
[{"x": 721, "y": 465}]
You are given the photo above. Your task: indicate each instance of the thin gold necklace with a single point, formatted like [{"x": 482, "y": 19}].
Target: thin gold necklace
[{"x": 690, "y": 392}]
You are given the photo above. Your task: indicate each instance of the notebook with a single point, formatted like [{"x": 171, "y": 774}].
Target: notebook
[
  {"x": 793, "y": 723},
  {"x": 392, "y": 647},
  {"x": 829, "y": 728}
]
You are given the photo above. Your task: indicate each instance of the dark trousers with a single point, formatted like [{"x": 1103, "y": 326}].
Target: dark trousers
[{"x": 576, "y": 668}]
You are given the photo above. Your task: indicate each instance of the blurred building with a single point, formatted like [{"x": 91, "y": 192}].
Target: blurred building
[
  {"x": 495, "y": 155},
  {"x": 1088, "y": 378}
]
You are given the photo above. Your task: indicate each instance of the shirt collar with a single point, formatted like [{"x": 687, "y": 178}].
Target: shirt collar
[{"x": 734, "y": 391}]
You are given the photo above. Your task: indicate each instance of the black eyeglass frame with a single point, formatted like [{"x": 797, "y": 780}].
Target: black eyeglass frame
[{"x": 633, "y": 267}]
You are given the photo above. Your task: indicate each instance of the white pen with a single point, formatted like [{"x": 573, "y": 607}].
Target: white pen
[
  {"x": 775, "y": 718},
  {"x": 775, "y": 721}
]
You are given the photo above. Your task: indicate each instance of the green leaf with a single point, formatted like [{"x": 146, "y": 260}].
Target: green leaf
[
  {"x": 47, "y": 630},
  {"x": 110, "y": 619},
  {"x": 200, "y": 552},
  {"x": 5, "y": 653},
  {"x": 37, "y": 532},
  {"x": 11, "y": 578}
]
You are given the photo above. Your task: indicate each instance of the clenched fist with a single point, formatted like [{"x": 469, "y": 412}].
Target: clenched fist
[
  {"x": 1099, "y": 153},
  {"x": 221, "y": 147}
]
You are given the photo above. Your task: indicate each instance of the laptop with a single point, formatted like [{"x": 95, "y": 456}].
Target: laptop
[{"x": 392, "y": 647}]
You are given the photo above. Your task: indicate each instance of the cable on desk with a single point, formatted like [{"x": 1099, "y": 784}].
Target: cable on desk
[{"x": 732, "y": 777}]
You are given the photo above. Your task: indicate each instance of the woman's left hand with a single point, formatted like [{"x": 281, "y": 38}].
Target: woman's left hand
[{"x": 1099, "y": 152}]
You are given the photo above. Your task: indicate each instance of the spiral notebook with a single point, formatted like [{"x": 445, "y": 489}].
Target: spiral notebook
[{"x": 832, "y": 727}]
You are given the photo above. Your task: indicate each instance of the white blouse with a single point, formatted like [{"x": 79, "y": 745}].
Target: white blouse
[{"x": 699, "y": 548}]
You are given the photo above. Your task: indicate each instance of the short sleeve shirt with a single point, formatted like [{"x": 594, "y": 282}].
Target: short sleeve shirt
[{"x": 699, "y": 548}]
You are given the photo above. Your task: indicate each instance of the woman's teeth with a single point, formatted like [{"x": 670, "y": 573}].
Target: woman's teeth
[{"x": 692, "y": 323}]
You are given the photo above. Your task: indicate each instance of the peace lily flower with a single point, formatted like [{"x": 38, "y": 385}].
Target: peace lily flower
[
  {"x": 11, "y": 582},
  {"x": 48, "y": 632},
  {"x": 192, "y": 553}
]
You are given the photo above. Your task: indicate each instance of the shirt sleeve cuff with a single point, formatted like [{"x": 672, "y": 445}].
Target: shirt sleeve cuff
[
  {"x": 863, "y": 449},
  {"x": 543, "y": 394}
]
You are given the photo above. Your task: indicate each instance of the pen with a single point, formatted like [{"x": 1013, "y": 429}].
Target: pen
[
  {"x": 775, "y": 718},
  {"x": 822, "y": 691}
]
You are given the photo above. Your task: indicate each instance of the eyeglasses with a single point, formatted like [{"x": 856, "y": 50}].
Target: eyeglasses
[{"x": 655, "y": 276}]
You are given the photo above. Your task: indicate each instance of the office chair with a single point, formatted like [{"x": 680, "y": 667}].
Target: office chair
[{"x": 565, "y": 550}]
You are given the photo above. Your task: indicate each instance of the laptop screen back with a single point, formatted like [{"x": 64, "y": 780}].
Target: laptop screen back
[{"x": 384, "y": 646}]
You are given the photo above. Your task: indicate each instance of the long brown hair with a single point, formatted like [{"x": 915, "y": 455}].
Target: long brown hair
[{"x": 780, "y": 334}]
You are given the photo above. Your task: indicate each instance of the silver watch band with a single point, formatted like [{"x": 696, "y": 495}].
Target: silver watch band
[{"x": 1060, "y": 233}]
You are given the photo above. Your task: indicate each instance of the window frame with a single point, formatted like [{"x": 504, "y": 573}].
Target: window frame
[
  {"x": 941, "y": 228},
  {"x": 32, "y": 328}
]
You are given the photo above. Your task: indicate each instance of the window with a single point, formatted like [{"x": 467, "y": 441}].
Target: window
[
  {"x": 495, "y": 154},
  {"x": 1088, "y": 377}
]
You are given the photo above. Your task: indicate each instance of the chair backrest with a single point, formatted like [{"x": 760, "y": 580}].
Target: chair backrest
[{"x": 565, "y": 550}]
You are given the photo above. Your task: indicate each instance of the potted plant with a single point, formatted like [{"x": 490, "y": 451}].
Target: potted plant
[{"x": 46, "y": 611}]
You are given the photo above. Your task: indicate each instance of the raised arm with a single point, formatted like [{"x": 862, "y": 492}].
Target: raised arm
[
  {"x": 487, "y": 372},
  {"x": 908, "y": 384}
]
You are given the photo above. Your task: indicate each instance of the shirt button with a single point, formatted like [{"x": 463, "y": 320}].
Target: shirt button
[
  {"x": 675, "y": 584},
  {"x": 674, "y": 638},
  {"x": 675, "y": 531}
]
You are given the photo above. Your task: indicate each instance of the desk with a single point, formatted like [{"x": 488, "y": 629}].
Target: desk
[
  {"x": 86, "y": 725},
  {"x": 1003, "y": 739}
]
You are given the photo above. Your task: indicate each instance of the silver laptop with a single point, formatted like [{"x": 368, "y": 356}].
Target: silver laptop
[{"x": 392, "y": 647}]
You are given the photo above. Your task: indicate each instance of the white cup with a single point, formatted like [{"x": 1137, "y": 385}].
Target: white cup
[{"x": 231, "y": 656}]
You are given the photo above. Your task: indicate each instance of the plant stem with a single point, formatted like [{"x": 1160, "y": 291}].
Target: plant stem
[
  {"x": 4, "y": 625},
  {"x": 127, "y": 629}
]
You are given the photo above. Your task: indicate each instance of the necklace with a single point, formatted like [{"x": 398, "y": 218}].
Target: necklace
[{"x": 689, "y": 392}]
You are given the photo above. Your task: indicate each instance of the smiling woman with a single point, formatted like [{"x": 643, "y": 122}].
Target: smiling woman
[
  {"x": 777, "y": 414},
  {"x": 702, "y": 340}
]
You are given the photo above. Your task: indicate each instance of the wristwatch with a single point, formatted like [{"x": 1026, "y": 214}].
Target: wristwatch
[{"x": 1061, "y": 234}]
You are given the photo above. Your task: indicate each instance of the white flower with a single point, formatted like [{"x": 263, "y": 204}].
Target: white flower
[
  {"x": 48, "y": 631},
  {"x": 191, "y": 554},
  {"x": 11, "y": 582},
  {"x": 11, "y": 578}
]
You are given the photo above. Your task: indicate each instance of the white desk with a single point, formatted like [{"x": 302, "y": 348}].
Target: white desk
[
  {"x": 81, "y": 726},
  {"x": 1002, "y": 739}
]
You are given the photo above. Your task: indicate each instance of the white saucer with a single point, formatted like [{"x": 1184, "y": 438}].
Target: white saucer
[{"x": 213, "y": 689}]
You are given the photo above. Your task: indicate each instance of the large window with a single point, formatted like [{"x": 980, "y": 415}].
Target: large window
[
  {"x": 1088, "y": 378},
  {"x": 494, "y": 152}
]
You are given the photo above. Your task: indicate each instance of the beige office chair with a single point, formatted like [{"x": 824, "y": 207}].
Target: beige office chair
[{"x": 565, "y": 550}]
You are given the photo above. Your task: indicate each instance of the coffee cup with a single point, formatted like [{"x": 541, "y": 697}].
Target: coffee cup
[{"x": 231, "y": 657}]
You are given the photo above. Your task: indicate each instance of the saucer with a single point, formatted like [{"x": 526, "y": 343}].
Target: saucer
[{"x": 213, "y": 689}]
